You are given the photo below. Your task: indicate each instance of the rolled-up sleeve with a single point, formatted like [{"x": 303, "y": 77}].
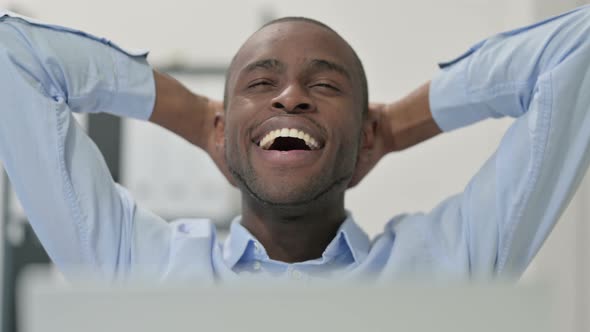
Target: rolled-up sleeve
[
  {"x": 540, "y": 75},
  {"x": 80, "y": 215}
]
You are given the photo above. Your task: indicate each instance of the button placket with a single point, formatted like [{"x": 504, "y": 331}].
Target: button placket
[
  {"x": 297, "y": 275},
  {"x": 294, "y": 274}
]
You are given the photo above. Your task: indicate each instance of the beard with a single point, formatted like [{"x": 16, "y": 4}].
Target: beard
[{"x": 286, "y": 191}]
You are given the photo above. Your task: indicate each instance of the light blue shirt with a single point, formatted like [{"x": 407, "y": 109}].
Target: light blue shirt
[{"x": 539, "y": 75}]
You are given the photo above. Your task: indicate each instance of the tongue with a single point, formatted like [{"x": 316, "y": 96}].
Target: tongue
[{"x": 288, "y": 144}]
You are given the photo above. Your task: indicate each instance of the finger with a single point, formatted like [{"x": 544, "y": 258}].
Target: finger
[
  {"x": 216, "y": 106},
  {"x": 376, "y": 107}
]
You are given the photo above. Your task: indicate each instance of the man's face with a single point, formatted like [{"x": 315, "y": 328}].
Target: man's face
[{"x": 293, "y": 114}]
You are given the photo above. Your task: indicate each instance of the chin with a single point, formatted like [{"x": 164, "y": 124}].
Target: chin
[
  {"x": 286, "y": 194},
  {"x": 283, "y": 192},
  {"x": 294, "y": 187}
]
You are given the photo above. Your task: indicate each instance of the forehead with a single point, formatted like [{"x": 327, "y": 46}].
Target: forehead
[{"x": 294, "y": 42}]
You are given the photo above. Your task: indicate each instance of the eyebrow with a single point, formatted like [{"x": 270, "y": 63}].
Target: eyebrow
[
  {"x": 314, "y": 65},
  {"x": 325, "y": 65},
  {"x": 268, "y": 64}
]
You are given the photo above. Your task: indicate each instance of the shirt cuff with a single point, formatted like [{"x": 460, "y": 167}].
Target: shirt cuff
[
  {"x": 135, "y": 91},
  {"x": 451, "y": 104}
]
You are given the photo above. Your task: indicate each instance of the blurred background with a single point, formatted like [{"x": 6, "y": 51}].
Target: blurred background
[{"x": 400, "y": 43}]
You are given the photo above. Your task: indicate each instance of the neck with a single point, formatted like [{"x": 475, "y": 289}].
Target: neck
[{"x": 295, "y": 233}]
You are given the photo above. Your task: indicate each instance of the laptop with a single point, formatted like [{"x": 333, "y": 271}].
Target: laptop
[{"x": 46, "y": 304}]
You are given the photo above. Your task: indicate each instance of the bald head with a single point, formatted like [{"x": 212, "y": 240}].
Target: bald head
[{"x": 357, "y": 68}]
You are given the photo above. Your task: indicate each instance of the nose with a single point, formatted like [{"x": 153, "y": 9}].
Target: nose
[{"x": 293, "y": 99}]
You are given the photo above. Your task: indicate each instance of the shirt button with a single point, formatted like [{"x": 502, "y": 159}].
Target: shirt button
[
  {"x": 296, "y": 274},
  {"x": 182, "y": 228},
  {"x": 256, "y": 266},
  {"x": 256, "y": 247}
]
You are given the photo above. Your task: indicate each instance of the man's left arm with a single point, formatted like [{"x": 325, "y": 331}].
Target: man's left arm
[{"x": 540, "y": 75}]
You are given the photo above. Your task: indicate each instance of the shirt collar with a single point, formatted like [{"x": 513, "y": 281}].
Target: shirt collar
[
  {"x": 350, "y": 237},
  {"x": 236, "y": 243},
  {"x": 8, "y": 13},
  {"x": 4, "y": 12}
]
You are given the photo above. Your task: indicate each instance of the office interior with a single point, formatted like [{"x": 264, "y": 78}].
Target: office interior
[{"x": 400, "y": 43}]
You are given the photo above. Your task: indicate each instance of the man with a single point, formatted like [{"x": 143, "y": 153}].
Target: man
[{"x": 296, "y": 131}]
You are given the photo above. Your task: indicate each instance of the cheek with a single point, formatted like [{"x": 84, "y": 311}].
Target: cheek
[
  {"x": 233, "y": 142},
  {"x": 232, "y": 137},
  {"x": 349, "y": 150},
  {"x": 350, "y": 136},
  {"x": 349, "y": 128},
  {"x": 242, "y": 105}
]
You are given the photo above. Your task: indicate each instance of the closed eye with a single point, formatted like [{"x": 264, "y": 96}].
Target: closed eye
[
  {"x": 259, "y": 84},
  {"x": 325, "y": 86}
]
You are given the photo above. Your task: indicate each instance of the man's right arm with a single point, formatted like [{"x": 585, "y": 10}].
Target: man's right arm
[{"x": 80, "y": 215}]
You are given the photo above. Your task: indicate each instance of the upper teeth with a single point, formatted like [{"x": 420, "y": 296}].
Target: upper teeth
[{"x": 269, "y": 138}]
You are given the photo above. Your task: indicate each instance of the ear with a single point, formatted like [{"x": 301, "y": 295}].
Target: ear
[
  {"x": 219, "y": 131},
  {"x": 218, "y": 150},
  {"x": 368, "y": 134},
  {"x": 366, "y": 152}
]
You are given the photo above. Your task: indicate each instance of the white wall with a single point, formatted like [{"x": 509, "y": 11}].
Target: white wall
[{"x": 400, "y": 43}]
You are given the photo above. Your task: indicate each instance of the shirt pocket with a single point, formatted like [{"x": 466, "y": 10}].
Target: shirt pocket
[
  {"x": 130, "y": 52},
  {"x": 508, "y": 33}
]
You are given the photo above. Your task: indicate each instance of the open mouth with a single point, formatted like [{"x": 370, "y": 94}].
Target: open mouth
[{"x": 288, "y": 139}]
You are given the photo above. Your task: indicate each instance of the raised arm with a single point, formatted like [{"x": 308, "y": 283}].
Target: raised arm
[
  {"x": 83, "y": 219},
  {"x": 540, "y": 75}
]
